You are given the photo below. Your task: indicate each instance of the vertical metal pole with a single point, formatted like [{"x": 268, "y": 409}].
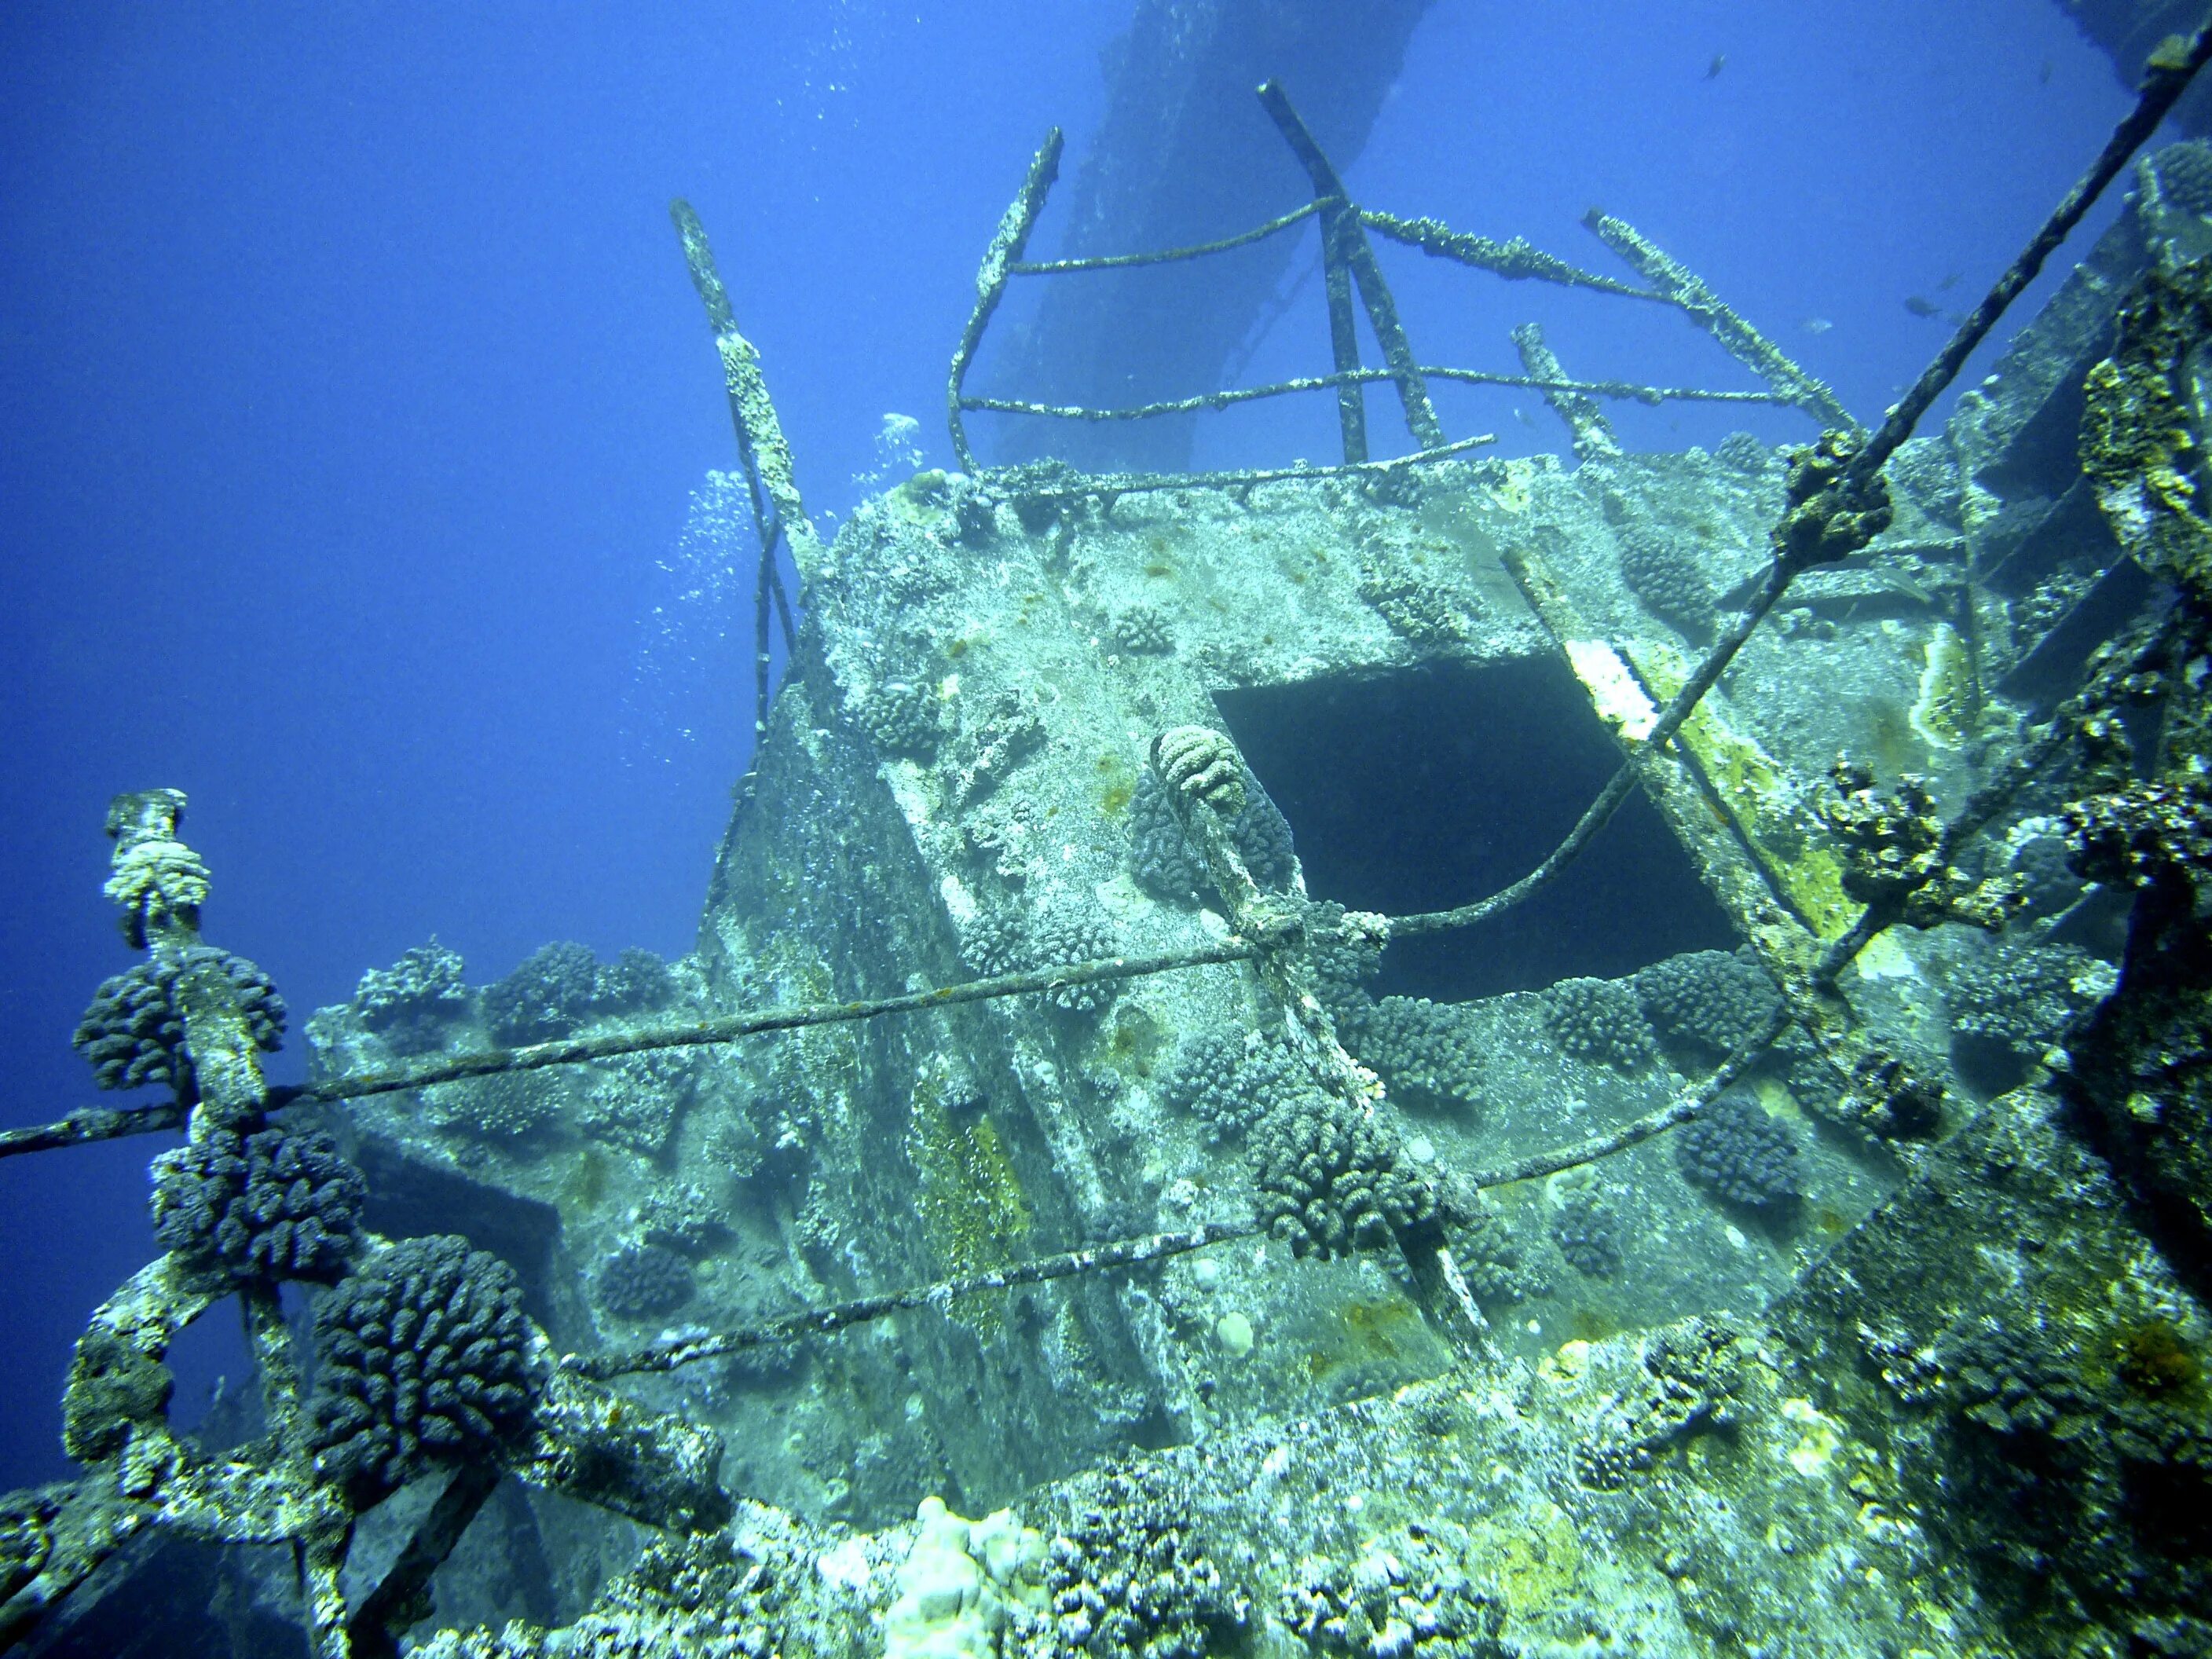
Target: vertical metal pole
[
  {"x": 1340, "y": 225},
  {"x": 1343, "y": 335},
  {"x": 1006, "y": 244},
  {"x": 762, "y": 452},
  {"x": 1592, "y": 431}
]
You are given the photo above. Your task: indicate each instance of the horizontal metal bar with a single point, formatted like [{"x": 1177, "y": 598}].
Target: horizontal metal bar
[
  {"x": 1198, "y": 250},
  {"x": 1513, "y": 259},
  {"x": 1623, "y": 391}
]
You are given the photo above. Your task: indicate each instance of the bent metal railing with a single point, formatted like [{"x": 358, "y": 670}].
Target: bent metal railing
[
  {"x": 655, "y": 1467},
  {"x": 1349, "y": 266}
]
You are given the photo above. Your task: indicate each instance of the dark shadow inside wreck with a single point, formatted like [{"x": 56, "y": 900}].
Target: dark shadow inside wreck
[{"x": 1421, "y": 788}]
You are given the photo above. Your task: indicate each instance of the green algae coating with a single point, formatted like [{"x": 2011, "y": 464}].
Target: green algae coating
[
  {"x": 970, "y": 1202},
  {"x": 1761, "y": 794}
]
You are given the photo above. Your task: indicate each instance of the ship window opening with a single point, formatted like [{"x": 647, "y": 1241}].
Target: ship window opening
[{"x": 1426, "y": 788}]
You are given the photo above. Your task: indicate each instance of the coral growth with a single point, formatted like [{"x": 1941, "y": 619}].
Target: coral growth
[
  {"x": 410, "y": 1004},
  {"x": 423, "y": 1356},
  {"x": 2023, "y": 996},
  {"x": 1331, "y": 1181},
  {"x": 134, "y": 1032},
  {"x": 1143, "y": 630},
  {"x": 1661, "y": 570},
  {"x": 903, "y": 718},
  {"x": 159, "y": 879},
  {"x": 679, "y": 1216},
  {"x": 1744, "y": 452},
  {"x": 636, "y": 979},
  {"x": 1424, "y": 1051},
  {"x": 2143, "y": 834},
  {"x": 1599, "y": 1021},
  {"x": 1199, "y": 761},
  {"x": 1739, "y": 1154},
  {"x": 1692, "y": 1374},
  {"x": 999, "y": 941},
  {"x": 1229, "y": 1082},
  {"x": 1069, "y": 934},
  {"x": 1706, "y": 1003},
  {"x": 1166, "y": 863},
  {"x": 1403, "y": 1598},
  {"x": 273, "y": 1204},
  {"x": 547, "y": 996},
  {"x": 1590, "y": 1234},
  {"x": 502, "y": 1106},
  {"x": 1420, "y": 610},
  {"x": 1124, "y": 1578},
  {"x": 646, "y": 1281},
  {"x": 2184, "y": 176}
]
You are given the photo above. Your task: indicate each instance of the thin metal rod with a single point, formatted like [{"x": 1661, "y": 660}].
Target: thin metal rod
[
  {"x": 1590, "y": 432},
  {"x": 1624, "y": 391},
  {"x": 94, "y": 1123},
  {"x": 1109, "y": 484},
  {"x": 1342, "y": 229},
  {"x": 403, "y": 1598},
  {"x": 1513, "y": 259},
  {"x": 1634, "y": 1132},
  {"x": 1343, "y": 337},
  {"x": 761, "y": 443},
  {"x": 764, "y": 580},
  {"x": 1622, "y": 783},
  {"x": 1198, "y": 250},
  {"x": 1677, "y": 283},
  {"x": 1006, "y": 244},
  {"x": 569, "y": 1051},
  {"x": 667, "y": 1356}
]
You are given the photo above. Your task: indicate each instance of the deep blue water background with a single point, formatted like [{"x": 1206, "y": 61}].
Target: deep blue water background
[{"x": 352, "y": 393}]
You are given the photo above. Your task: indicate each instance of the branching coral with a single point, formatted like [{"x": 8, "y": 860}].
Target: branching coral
[
  {"x": 1600, "y": 1021},
  {"x": 1166, "y": 863},
  {"x": 1200, "y": 763},
  {"x": 647, "y": 1281},
  {"x": 424, "y": 1357},
  {"x": 547, "y": 996},
  {"x": 134, "y": 1032},
  {"x": 1424, "y": 1051},
  {"x": 273, "y": 1204},
  {"x": 1739, "y": 1153},
  {"x": 1661, "y": 570},
  {"x": 1331, "y": 1181},
  {"x": 411, "y": 1003},
  {"x": 1706, "y": 1003}
]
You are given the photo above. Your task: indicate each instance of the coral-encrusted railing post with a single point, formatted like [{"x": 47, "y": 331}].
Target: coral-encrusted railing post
[
  {"x": 1011, "y": 237},
  {"x": 1344, "y": 244}
]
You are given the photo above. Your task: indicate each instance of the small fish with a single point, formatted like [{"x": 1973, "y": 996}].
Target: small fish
[
  {"x": 2043, "y": 74},
  {"x": 1713, "y": 69},
  {"x": 1522, "y": 415},
  {"x": 1920, "y": 307},
  {"x": 1947, "y": 284},
  {"x": 1816, "y": 325}
]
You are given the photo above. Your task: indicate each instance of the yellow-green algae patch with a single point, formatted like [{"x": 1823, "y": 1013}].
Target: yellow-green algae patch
[
  {"x": 970, "y": 1200},
  {"x": 1949, "y": 703},
  {"x": 1763, "y": 796}
]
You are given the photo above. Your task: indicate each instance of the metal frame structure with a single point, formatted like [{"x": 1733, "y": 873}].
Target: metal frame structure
[{"x": 1349, "y": 266}]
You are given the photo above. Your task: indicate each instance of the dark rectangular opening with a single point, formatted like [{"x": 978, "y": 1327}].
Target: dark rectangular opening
[{"x": 1429, "y": 787}]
